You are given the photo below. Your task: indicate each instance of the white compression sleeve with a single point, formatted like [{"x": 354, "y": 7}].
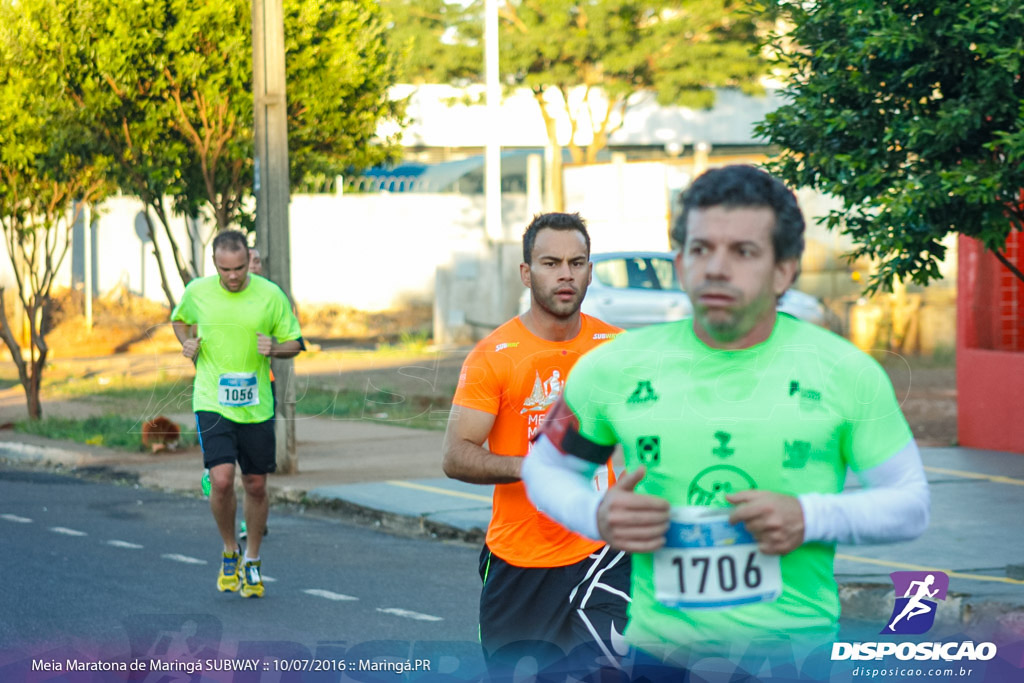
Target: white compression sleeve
[
  {"x": 893, "y": 505},
  {"x": 559, "y": 485}
]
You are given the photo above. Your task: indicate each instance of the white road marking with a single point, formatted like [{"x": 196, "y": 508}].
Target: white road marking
[
  {"x": 418, "y": 616},
  {"x": 183, "y": 558},
  {"x": 320, "y": 593},
  {"x": 16, "y": 518},
  {"x": 125, "y": 544},
  {"x": 66, "y": 531}
]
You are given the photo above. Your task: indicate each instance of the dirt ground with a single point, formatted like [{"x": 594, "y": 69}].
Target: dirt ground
[{"x": 131, "y": 336}]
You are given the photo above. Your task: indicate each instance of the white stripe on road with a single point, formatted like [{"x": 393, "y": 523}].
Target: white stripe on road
[
  {"x": 319, "y": 593},
  {"x": 184, "y": 559},
  {"x": 66, "y": 531},
  {"x": 124, "y": 544},
  {"x": 16, "y": 518},
  {"x": 408, "y": 614}
]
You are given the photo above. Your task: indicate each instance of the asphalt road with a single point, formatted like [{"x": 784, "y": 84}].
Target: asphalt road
[{"x": 99, "y": 570}]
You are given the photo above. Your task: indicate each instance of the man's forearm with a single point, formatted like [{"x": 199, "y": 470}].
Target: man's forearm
[
  {"x": 560, "y": 486},
  {"x": 475, "y": 464},
  {"x": 892, "y": 507},
  {"x": 183, "y": 331},
  {"x": 288, "y": 349}
]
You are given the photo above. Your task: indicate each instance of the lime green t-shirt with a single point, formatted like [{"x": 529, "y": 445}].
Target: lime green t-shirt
[
  {"x": 788, "y": 415},
  {"x": 232, "y": 379}
]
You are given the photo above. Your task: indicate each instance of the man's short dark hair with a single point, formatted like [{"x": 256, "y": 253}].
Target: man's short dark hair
[
  {"x": 554, "y": 221},
  {"x": 231, "y": 240},
  {"x": 741, "y": 186}
]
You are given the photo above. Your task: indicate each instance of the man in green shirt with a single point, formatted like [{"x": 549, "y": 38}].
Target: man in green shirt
[
  {"x": 738, "y": 426},
  {"x": 230, "y": 325}
]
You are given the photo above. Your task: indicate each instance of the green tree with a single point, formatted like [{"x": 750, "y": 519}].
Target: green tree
[
  {"x": 172, "y": 80},
  {"x": 50, "y": 166},
  {"x": 913, "y": 114},
  {"x": 612, "y": 51},
  {"x": 677, "y": 50},
  {"x": 424, "y": 31}
]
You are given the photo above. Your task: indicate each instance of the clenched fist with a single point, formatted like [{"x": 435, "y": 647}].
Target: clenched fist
[{"x": 190, "y": 347}]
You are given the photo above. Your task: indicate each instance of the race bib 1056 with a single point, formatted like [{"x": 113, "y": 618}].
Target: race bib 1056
[
  {"x": 238, "y": 389},
  {"x": 707, "y": 563}
]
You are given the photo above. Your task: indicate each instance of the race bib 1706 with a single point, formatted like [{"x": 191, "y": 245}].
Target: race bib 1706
[
  {"x": 238, "y": 389},
  {"x": 707, "y": 563}
]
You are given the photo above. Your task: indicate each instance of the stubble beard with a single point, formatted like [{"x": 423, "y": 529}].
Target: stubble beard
[
  {"x": 728, "y": 325},
  {"x": 557, "y": 309}
]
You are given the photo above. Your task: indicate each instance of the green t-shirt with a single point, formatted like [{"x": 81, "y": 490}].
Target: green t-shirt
[
  {"x": 788, "y": 415},
  {"x": 232, "y": 379}
]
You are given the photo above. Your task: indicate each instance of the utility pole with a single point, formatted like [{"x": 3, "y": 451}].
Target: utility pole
[
  {"x": 492, "y": 148},
  {"x": 273, "y": 195}
]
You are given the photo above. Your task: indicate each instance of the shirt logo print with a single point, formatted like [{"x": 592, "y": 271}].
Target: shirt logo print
[
  {"x": 544, "y": 393},
  {"x": 648, "y": 449},
  {"x": 805, "y": 394},
  {"x": 723, "y": 450},
  {"x": 796, "y": 453},
  {"x": 643, "y": 393}
]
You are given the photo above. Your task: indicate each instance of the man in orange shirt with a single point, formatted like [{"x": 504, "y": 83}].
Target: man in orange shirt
[{"x": 542, "y": 583}]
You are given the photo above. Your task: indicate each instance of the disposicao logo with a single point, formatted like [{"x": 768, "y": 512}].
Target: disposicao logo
[{"x": 916, "y": 596}]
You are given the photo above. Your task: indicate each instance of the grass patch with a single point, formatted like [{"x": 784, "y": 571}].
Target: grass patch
[
  {"x": 409, "y": 344},
  {"x": 112, "y": 431},
  {"x": 140, "y": 397},
  {"x": 381, "y": 406}
]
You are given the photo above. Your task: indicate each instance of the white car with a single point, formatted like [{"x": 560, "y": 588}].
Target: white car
[{"x": 637, "y": 288}]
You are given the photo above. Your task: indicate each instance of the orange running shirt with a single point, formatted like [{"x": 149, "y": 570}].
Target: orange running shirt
[{"x": 517, "y": 376}]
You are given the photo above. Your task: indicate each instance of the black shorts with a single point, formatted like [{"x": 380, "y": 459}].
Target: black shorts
[
  {"x": 223, "y": 441},
  {"x": 579, "y": 609}
]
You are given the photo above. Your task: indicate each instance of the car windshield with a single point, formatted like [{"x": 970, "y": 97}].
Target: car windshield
[{"x": 637, "y": 272}]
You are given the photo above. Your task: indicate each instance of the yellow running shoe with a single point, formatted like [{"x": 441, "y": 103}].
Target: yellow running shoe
[
  {"x": 229, "y": 579},
  {"x": 252, "y": 582}
]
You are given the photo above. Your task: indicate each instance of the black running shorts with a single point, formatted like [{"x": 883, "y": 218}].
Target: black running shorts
[
  {"x": 252, "y": 446},
  {"x": 577, "y": 611}
]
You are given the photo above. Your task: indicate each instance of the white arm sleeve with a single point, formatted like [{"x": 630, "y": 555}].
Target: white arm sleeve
[
  {"x": 893, "y": 505},
  {"x": 559, "y": 485}
]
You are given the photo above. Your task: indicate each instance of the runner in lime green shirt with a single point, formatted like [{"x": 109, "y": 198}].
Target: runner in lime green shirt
[
  {"x": 738, "y": 427},
  {"x": 230, "y": 325},
  {"x": 229, "y": 345}
]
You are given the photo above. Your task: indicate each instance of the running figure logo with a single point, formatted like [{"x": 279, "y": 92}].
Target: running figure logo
[{"x": 916, "y": 595}]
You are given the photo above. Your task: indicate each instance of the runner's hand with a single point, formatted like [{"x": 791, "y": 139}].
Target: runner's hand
[
  {"x": 630, "y": 521},
  {"x": 190, "y": 347},
  {"x": 775, "y": 520},
  {"x": 264, "y": 344}
]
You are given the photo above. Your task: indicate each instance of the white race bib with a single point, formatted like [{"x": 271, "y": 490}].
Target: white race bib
[
  {"x": 238, "y": 389},
  {"x": 600, "y": 478},
  {"x": 707, "y": 563}
]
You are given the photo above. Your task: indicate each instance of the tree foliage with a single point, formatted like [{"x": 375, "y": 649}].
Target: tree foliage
[
  {"x": 423, "y": 31},
  {"x": 167, "y": 85},
  {"x": 912, "y": 113},
  {"x": 679, "y": 50},
  {"x": 50, "y": 166}
]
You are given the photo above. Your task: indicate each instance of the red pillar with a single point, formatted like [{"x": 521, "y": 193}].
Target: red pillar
[{"x": 990, "y": 348}]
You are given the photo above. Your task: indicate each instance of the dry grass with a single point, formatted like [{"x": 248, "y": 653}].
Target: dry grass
[{"x": 126, "y": 323}]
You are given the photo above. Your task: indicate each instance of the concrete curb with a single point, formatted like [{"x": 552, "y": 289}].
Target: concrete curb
[
  {"x": 421, "y": 525},
  {"x": 13, "y": 451}
]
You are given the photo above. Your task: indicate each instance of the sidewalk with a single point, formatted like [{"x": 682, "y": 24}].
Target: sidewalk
[{"x": 392, "y": 475}]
